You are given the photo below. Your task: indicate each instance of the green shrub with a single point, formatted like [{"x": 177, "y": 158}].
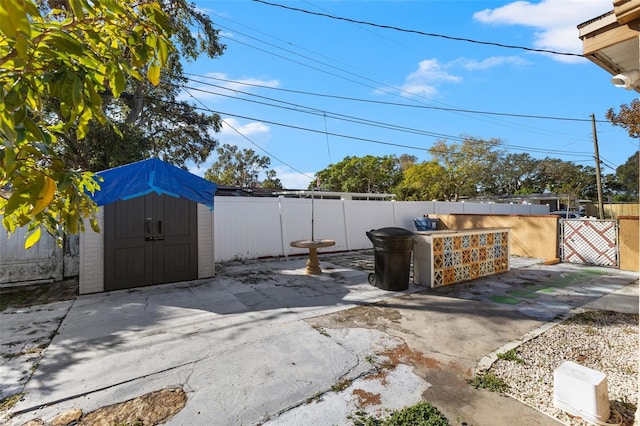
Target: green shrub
[{"x": 421, "y": 414}]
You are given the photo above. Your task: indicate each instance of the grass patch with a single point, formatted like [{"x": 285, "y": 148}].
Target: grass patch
[
  {"x": 490, "y": 382},
  {"x": 7, "y": 403},
  {"x": 511, "y": 355},
  {"x": 523, "y": 293},
  {"x": 15, "y": 298},
  {"x": 504, "y": 299},
  {"x": 322, "y": 331},
  {"x": 421, "y": 414},
  {"x": 341, "y": 385}
]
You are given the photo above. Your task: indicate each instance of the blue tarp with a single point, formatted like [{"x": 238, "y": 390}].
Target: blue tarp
[{"x": 153, "y": 175}]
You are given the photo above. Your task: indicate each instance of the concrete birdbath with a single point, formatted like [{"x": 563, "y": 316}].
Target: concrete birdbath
[{"x": 313, "y": 265}]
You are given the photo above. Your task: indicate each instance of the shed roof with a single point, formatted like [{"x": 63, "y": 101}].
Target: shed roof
[{"x": 152, "y": 175}]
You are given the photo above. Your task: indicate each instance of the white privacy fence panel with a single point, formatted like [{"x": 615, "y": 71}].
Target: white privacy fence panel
[
  {"x": 328, "y": 222},
  {"x": 43, "y": 261},
  {"x": 247, "y": 228},
  {"x": 443, "y": 207},
  {"x": 261, "y": 227},
  {"x": 363, "y": 216},
  {"x": 407, "y": 211}
]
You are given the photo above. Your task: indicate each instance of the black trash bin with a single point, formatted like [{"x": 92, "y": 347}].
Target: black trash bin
[{"x": 392, "y": 250}]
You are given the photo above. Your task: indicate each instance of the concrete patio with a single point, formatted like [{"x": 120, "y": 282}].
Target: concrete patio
[{"x": 262, "y": 343}]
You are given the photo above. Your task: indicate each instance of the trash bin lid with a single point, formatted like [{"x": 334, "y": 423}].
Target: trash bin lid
[{"x": 391, "y": 232}]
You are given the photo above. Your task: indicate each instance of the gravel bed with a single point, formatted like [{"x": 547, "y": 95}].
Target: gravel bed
[{"x": 602, "y": 340}]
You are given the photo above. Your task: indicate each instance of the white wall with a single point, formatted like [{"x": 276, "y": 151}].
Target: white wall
[
  {"x": 246, "y": 228},
  {"x": 42, "y": 262},
  {"x": 91, "y": 276},
  {"x": 264, "y": 227},
  {"x": 206, "y": 249}
]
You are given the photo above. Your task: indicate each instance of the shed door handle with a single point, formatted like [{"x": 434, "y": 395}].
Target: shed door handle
[
  {"x": 159, "y": 227},
  {"x": 148, "y": 225}
]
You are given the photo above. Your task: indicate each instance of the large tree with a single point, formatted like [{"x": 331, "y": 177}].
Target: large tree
[
  {"x": 240, "y": 167},
  {"x": 565, "y": 178},
  {"x": 149, "y": 120},
  {"x": 421, "y": 182},
  {"x": 68, "y": 68},
  {"x": 466, "y": 165},
  {"x": 510, "y": 174},
  {"x": 628, "y": 117},
  {"x": 623, "y": 185},
  {"x": 368, "y": 174},
  {"x": 71, "y": 51}
]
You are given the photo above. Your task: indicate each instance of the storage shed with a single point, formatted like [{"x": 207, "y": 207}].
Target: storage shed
[{"x": 156, "y": 223}]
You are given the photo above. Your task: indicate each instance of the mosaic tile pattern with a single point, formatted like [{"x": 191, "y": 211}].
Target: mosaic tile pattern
[{"x": 459, "y": 258}]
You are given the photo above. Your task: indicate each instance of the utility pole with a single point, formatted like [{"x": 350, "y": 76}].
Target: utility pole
[{"x": 598, "y": 174}]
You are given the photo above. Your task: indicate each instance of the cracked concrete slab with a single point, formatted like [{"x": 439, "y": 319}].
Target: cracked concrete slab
[{"x": 262, "y": 341}]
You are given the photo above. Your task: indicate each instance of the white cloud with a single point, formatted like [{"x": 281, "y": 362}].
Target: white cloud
[
  {"x": 431, "y": 73},
  {"x": 555, "y": 21},
  {"x": 293, "y": 180},
  {"x": 232, "y": 128},
  {"x": 492, "y": 62},
  {"x": 424, "y": 80}
]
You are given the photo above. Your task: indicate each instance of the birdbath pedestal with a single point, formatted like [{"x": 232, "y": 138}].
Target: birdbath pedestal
[{"x": 313, "y": 265}]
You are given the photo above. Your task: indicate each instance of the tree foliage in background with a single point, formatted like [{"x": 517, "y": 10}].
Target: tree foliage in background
[
  {"x": 566, "y": 178},
  {"x": 149, "y": 120},
  {"x": 466, "y": 165},
  {"x": 240, "y": 167},
  {"x": 422, "y": 181},
  {"x": 368, "y": 174},
  {"x": 271, "y": 180},
  {"x": 511, "y": 174},
  {"x": 488, "y": 172},
  {"x": 71, "y": 51},
  {"x": 628, "y": 117},
  {"x": 623, "y": 185}
]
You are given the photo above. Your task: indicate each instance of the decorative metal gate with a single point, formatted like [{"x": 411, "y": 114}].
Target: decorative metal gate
[{"x": 589, "y": 241}]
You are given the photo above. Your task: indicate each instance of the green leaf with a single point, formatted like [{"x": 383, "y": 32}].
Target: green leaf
[
  {"x": 13, "y": 18},
  {"x": 16, "y": 201},
  {"x": 33, "y": 238},
  {"x": 83, "y": 123},
  {"x": 8, "y": 159},
  {"x": 64, "y": 43},
  {"x": 45, "y": 196},
  {"x": 153, "y": 73},
  {"x": 76, "y": 7},
  {"x": 119, "y": 81}
]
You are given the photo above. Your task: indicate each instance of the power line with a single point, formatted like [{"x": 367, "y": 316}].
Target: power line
[
  {"x": 390, "y": 27},
  {"x": 247, "y": 138},
  {"x": 347, "y": 98},
  {"x": 377, "y": 124},
  {"x": 393, "y": 93},
  {"x": 314, "y": 111}
]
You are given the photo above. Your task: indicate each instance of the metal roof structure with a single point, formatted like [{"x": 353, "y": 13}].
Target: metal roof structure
[{"x": 612, "y": 41}]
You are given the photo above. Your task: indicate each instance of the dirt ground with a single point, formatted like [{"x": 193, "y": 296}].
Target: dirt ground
[{"x": 38, "y": 294}]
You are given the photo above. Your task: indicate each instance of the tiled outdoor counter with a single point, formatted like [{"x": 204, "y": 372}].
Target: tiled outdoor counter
[{"x": 447, "y": 257}]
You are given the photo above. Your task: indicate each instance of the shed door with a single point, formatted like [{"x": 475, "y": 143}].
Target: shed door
[{"x": 150, "y": 240}]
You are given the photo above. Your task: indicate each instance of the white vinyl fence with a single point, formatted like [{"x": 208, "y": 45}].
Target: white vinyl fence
[{"x": 247, "y": 228}]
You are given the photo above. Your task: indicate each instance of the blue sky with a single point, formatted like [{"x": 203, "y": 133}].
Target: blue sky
[{"x": 308, "y": 90}]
